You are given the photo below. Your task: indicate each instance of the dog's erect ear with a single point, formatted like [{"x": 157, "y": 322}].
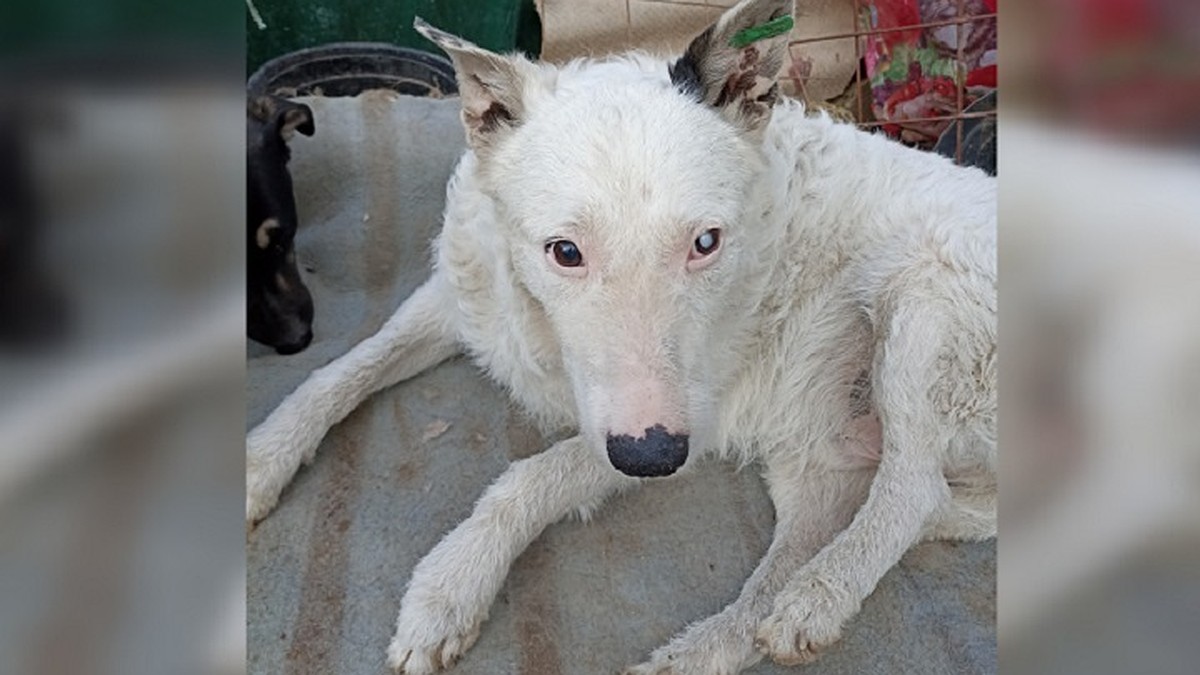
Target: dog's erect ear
[
  {"x": 283, "y": 116},
  {"x": 732, "y": 65},
  {"x": 491, "y": 85},
  {"x": 296, "y": 117}
]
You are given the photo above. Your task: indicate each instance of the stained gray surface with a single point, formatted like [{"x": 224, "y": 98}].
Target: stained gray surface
[{"x": 328, "y": 567}]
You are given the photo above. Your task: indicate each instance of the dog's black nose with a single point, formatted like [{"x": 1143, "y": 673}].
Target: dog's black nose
[
  {"x": 657, "y": 453},
  {"x": 298, "y": 346}
]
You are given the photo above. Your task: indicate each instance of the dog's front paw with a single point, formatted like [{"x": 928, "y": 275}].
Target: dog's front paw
[
  {"x": 260, "y": 497},
  {"x": 257, "y": 508},
  {"x": 263, "y": 480},
  {"x": 661, "y": 663},
  {"x": 808, "y": 617},
  {"x": 429, "y": 638},
  {"x": 273, "y": 454},
  {"x": 408, "y": 659},
  {"x": 719, "y": 645}
]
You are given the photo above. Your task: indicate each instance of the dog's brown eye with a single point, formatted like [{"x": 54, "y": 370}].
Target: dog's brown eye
[
  {"x": 708, "y": 242},
  {"x": 565, "y": 253}
]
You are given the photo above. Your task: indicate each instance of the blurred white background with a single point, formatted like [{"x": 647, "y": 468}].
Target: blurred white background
[{"x": 1100, "y": 336}]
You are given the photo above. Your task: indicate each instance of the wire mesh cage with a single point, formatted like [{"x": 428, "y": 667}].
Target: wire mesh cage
[{"x": 924, "y": 73}]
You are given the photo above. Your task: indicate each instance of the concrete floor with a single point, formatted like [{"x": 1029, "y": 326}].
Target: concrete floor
[{"x": 327, "y": 569}]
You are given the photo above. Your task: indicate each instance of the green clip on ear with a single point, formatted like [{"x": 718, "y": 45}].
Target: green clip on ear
[{"x": 763, "y": 31}]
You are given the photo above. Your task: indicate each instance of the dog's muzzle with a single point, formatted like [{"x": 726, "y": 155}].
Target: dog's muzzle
[{"x": 657, "y": 453}]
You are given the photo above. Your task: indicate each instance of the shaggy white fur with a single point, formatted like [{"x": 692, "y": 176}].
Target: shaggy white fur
[{"x": 841, "y": 332}]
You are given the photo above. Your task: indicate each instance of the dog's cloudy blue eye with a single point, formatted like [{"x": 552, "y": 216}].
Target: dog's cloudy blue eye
[
  {"x": 707, "y": 242},
  {"x": 565, "y": 253}
]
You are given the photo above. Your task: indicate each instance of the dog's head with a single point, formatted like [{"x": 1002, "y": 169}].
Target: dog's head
[
  {"x": 623, "y": 189},
  {"x": 279, "y": 308}
]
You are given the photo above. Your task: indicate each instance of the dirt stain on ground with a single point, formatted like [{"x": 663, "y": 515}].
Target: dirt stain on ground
[
  {"x": 318, "y": 623},
  {"x": 413, "y": 466},
  {"x": 383, "y": 201},
  {"x": 536, "y": 613}
]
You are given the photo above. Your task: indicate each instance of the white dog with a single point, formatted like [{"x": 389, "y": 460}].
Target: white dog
[{"x": 677, "y": 264}]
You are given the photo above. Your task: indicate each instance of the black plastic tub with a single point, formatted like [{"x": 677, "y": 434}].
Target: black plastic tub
[{"x": 349, "y": 68}]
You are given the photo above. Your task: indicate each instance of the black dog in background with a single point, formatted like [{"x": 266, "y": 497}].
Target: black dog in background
[
  {"x": 278, "y": 304},
  {"x": 33, "y": 307}
]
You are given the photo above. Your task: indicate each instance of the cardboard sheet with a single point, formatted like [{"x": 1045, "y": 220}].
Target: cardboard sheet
[{"x": 816, "y": 71}]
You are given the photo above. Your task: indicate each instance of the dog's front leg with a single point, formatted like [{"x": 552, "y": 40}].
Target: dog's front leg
[
  {"x": 828, "y": 591},
  {"x": 811, "y": 508},
  {"x": 907, "y": 491},
  {"x": 454, "y": 585},
  {"x": 418, "y": 336}
]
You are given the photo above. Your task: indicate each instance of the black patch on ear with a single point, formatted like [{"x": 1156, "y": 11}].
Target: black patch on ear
[
  {"x": 685, "y": 72},
  {"x": 685, "y": 77},
  {"x": 494, "y": 116}
]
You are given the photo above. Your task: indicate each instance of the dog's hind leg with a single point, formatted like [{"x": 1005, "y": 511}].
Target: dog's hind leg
[
  {"x": 418, "y": 336},
  {"x": 908, "y": 489},
  {"x": 454, "y": 585},
  {"x": 811, "y": 508}
]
